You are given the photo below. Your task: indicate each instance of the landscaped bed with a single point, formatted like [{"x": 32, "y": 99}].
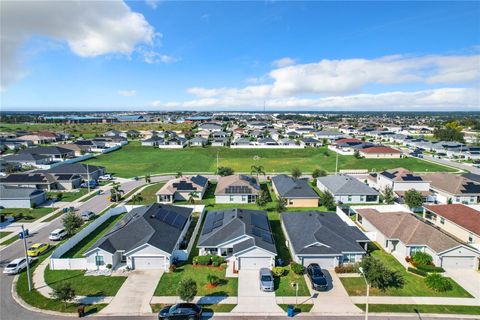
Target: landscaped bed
[{"x": 421, "y": 308}]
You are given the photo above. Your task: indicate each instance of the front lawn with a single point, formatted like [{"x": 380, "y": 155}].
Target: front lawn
[
  {"x": 283, "y": 285},
  {"x": 148, "y": 194},
  {"x": 221, "y": 307},
  {"x": 414, "y": 285},
  {"x": 4, "y": 234},
  {"x": 68, "y": 196},
  {"x": 26, "y": 215},
  {"x": 421, "y": 308},
  {"x": 167, "y": 286},
  {"x": 84, "y": 285}
]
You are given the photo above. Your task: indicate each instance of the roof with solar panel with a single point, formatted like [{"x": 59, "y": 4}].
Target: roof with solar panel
[
  {"x": 159, "y": 225},
  {"x": 184, "y": 185},
  {"x": 237, "y": 184},
  {"x": 227, "y": 225}
]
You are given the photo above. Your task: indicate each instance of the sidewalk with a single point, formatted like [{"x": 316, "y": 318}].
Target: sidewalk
[{"x": 416, "y": 300}]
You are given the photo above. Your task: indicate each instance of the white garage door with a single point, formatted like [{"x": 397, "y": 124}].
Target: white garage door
[
  {"x": 458, "y": 262},
  {"x": 323, "y": 262},
  {"x": 254, "y": 262},
  {"x": 154, "y": 262}
]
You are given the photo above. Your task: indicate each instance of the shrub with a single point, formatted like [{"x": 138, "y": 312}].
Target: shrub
[
  {"x": 217, "y": 261},
  {"x": 422, "y": 258},
  {"x": 437, "y": 282},
  {"x": 417, "y": 271},
  {"x": 203, "y": 260},
  {"x": 187, "y": 289},
  {"x": 380, "y": 276},
  {"x": 430, "y": 268},
  {"x": 348, "y": 268},
  {"x": 172, "y": 267},
  {"x": 108, "y": 266},
  {"x": 278, "y": 271},
  {"x": 213, "y": 280},
  {"x": 297, "y": 268}
]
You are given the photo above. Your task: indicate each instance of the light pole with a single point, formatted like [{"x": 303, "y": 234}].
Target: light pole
[
  {"x": 24, "y": 236},
  {"x": 368, "y": 291}
]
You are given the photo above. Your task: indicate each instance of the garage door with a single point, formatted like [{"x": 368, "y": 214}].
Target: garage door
[
  {"x": 458, "y": 262},
  {"x": 323, "y": 262},
  {"x": 254, "y": 262},
  {"x": 154, "y": 262}
]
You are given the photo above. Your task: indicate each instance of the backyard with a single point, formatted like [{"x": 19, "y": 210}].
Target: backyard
[
  {"x": 135, "y": 160},
  {"x": 148, "y": 194}
]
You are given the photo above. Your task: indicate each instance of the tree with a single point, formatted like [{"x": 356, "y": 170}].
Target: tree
[
  {"x": 356, "y": 154},
  {"x": 413, "y": 198},
  {"x": 257, "y": 170},
  {"x": 179, "y": 174},
  {"x": 296, "y": 173},
  {"x": 191, "y": 197},
  {"x": 63, "y": 292},
  {"x": 225, "y": 171},
  {"x": 187, "y": 289},
  {"x": 263, "y": 199},
  {"x": 281, "y": 205},
  {"x": 451, "y": 132},
  {"x": 328, "y": 201},
  {"x": 71, "y": 222},
  {"x": 137, "y": 198},
  {"x": 318, "y": 173},
  {"x": 116, "y": 192},
  {"x": 379, "y": 276},
  {"x": 388, "y": 197},
  {"x": 59, "y": 196},
  {"x": 148, "y": 179}
]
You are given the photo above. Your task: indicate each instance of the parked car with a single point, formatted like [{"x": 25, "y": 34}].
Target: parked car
[
  {"x": 87, "y": 215},
  {"x": 17, "y": 265},
  {"x": 37, "y": 249},
  {"x": 317, "y": 277},
  {"x": 181, "y": 311},
  {"x": 92, "y": 184},
  {"x": 266, "y": 280},
  {"x": 106, "y": 176},
  {"x": 57, "y": 234}
]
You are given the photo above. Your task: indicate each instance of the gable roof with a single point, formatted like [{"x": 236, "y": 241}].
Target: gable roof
[
  {"x": 379, "y": 149},
  {"x": 184, "y": 184},
  {"x": 74, "y": 168},
  {"x": 452, "y": 183},
  {"x": 314, "y": 232},
  {"x": 237, "y": 184},
  {"x": 24, "y": 157},
  {"x": 289, "y": 187},
  {"x": 346, "y": 185},
  {"x": 401, "y": 174},
  {"x": 8, "y": 192},
  {"x": 459, "y": 214},
  {"x": 146, "y": 225},
  {"x": 28, "y": 178},
  {"x": 54, "y": 150}
]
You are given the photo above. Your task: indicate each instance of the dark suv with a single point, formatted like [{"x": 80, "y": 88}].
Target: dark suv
[{"x": 317, "y": 277}]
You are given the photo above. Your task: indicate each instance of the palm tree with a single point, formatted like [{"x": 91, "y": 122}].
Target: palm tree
[
  {"x": 116, "y": 192},
  {"x": 191, "y": 197},
  {"x": 148, "y": 179},
  {"x": 179, "y": 174},
  {"x": 137, "y": 198},
  {"x": 257, "y": 170}
]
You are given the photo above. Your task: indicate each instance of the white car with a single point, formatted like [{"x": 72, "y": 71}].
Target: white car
[
  {"x": 106, "y": 176},
  {"x": 16, "y": 266},
  {"x": 57, "y": 234}
]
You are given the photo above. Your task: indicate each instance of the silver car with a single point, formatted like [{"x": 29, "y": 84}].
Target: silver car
[{"x": 266, "y": 280}]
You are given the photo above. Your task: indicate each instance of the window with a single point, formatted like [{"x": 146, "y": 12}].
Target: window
[
  {"x": 99, "y": 261},
  {"x": 457, "y": 199},
  {"x": 362, "y": 198},
  {"x": 349, "y": 258},
  {"x": 231, "y": 198},
  {"x": 349, "y": 198},
  {"x": 472, "y": 199},
  {"x": 470, "y": 238},
  {"x": 442, "y": 220},
  {"x": 244, "y": 198},
  {"x": 414, "y": 250},
  {"x": 359, "y": 218}
]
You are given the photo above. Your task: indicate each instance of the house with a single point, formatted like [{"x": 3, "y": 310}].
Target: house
[
  {"x": 153, "y": 141},
  {"x": 310, "y": 142},
  {"x": 55, "y": 152},
  {"x": 402, "y": 234},
  {"x": 242, "y": 142},
  {"x": 42, "y": 180},
  {"x": 147, "y": 237},
  {"x": 329, "y": 135},
  {"x": 78, "y": 150},
  {"x": 27, "y": 159},
  {"x": 210, "y": 127},
  {"x": 323, "y": 238},
  {"x": 296, "y": 192},
  {"x": 173, "y": 143},
  {"x": 181, "y": 189},
  {"x": 237, "y": 188},
  {"x": 452, "y": 188},
  {"x": 112, "y": 133},
  {"x": 131, "y": 118},
  {"x": 243, "y": 237},
  {"x": 198, "y": 142},
  {"x": 401, "y": 180},
  {"x": 220, "y": 142},
  {"x": 21, "y": 197},
  {"x": 14, "y": 144},
  {"x": 203, "y": 134},
  {"x": 33, "y": 139},
  {"x": 380, "y": 152},
  {"x": 266, "y": 142},
  {"x": 347, "y": 189},
  {"x": 461, "y": 221},
  {"x": 87, "y": 172}
]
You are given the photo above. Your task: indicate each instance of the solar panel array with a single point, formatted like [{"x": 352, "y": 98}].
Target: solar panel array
[
  {"x": 238, "y": 190},
  {"x": 261, "y": 228},
  {"x": 171, "y": 218},
  {"x": 183, "y": 185},
  {"x": 411, "y": 177},
  {"x": 214, "y": 220}
]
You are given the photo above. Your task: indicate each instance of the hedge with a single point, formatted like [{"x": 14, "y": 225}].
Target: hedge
[
  {"x": 202, "y": 260},
  {"x": 430, "y": 268},
  {"x": 217, "y": 260},
  {"x": 417, "y": 271}
]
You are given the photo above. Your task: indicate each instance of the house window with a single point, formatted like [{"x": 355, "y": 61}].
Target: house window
[
  {"x": 362, "y": 198},
  {"x": 244, "y": 198},
  {"x": 349, "y": 198},
  {"x": 349, "y": 258},
  {"x": 231, "y": 198},
  {"x": 99, "y": 261},
  {"x": 442, "y": 220},
  {"x": 414, "y": 250},
  {"x": 472, "y": 199},
  {"x": 457, "y": 199},
  {"x": 470, "y": 238}
]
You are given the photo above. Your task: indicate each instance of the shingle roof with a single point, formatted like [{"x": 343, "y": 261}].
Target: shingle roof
[
  {"x": 346, "y": 185},
  {"x": 244, "y": 184},
  {"x": 459, "y": 214},
  {"x": 452, "y": 183},
  {"x": 24, "y": 157},
  {"x": 8, "y": 192},
  {"x": 26, "y": 178},
  {"x": 380, "y": 149},
  {"x": 74, "y": 168},
  {"x": 401, "y": 174},
  {"x": 289, "y": 187},
  {"x": 184, "y": 184},
  {"x": 313, "y": 232}
]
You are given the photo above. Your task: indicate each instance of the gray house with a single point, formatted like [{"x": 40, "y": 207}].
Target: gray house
[
  {"x": 27, "y": 159},
  {"x": 83, "y": 170},
  {"x": 147, "y": 237},
  {"x": 323, "y": 238},
  {"x": 347, "y": 189},
  {"x": 19, "y": 197},
  {"x": 296, "y": 192},
  {"x": 243, "y": 237}
]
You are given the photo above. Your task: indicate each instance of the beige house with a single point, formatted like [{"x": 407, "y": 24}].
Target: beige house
[
  {"x": 182, "y": 189},
  {"x": 237, "y": 188},
  {"x": 296, "y": 192},
  {"x": 453, "y": 188},
  {"x": 380, "y": 152}
]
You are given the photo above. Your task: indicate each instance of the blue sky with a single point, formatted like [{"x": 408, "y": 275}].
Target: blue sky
[{"x": 236, "y": 55}]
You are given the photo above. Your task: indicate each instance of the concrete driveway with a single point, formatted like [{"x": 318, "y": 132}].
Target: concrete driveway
[
  {"x": 251, "y": 299},
  {"x": 134, "y": 296},
  {"x": 469, "y": 279}
]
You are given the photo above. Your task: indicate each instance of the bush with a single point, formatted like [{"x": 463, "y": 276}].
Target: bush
[
  {"x": 379, "y": 275},
  {"x": 217, "y": 261},
  {"x": 430, "y": 268},
  {"x": 297, "y": 268},
  {"x": 437, "y": 282},
  {"x": 202, "y": 260},
  {"x": 187, "y": 289},
  {"x": 422, "y": 258},
  {"x": 108, "y": 266},
  {"x": 348, "y": 268},
  {"x": 213, "y": 280},
  {"x": 172, "y": 267},
  {"x": 278, "y": 271},
  {"x": 417, "y": 271}
]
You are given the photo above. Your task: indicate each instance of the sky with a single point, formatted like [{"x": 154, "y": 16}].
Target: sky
[{"x": 207, "y": 56}]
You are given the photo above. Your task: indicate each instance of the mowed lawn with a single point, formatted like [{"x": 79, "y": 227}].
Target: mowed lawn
[
  {"x": 135, "y": 160},
  {"x": 148, "y": 194}
]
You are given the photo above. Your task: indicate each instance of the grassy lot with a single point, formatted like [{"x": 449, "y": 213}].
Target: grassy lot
[
  {"x": 135, "y": 160},
  {"x": 298, "y": 308},
  {"x": 4, "y": 234},
  {"x": 29, "y": 215},
  {"x": 148, "y": 194},
  {"x": 88, "y": 241},
  {"x": 69, "y": 196},
  {"x": 156, "y": 307},
  {"x": 421, "y": 308},
  {"x": 169, "y": 281},
  {"x": 414, "y": 285},
  {"x": 84, "y": 285}
]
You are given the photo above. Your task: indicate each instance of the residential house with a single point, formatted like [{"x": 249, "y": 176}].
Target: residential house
[
  {"x": 33, "y": 139},
  {"x": 329, "y": 135},
  {"x": 237, "y": 188},
  {"x": 198, "y": 142},
  {"x": 310, "y": 142},
  {"x": 14, "y": 144},
  {"x": 28, "y": 159},
  {"x": 182, "y": 189},
  {"x": 243, "y": 237},
  {"x": 452, "y": 188},
  {"x": 55, "y": 152},
  {"x": 401, "y": 180},
  {"x": 172, "y": 143},
  {"x": 153, "y": 141},
  {"x": 267, "y": 142},
  {"x": 210, "y": 127},
  {"x": 380, "y": 152},
  {"x": 220, "y": 142},
  {"x": 296, "y": 192},
  {"x": 21, "y": 197},
  {"x": 87, "y": 172},
  {"x": 347, "y": 189},
  {"x": 77, "y": 149},
  {"x": 41, "y": 180}
]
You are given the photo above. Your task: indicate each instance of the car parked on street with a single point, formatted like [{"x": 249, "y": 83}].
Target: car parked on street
[
  {"x": 57, "y": 234},
  {"x": 87, "y": 215},
  {"x": 266, "y": 280},
  {"x": 317, "y": 277},
  {"x": 16, "y": 266},
  {"x": 37, "y": 249},
  {"x": 92, "y": 184},
  {"x": 181, "y": 311}
]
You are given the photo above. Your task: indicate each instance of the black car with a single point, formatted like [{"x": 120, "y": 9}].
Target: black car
[
  {"x": 188, "y": 311},
  {"x": 317, "y": 277}
]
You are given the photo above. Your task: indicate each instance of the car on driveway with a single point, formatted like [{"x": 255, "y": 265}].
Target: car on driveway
[
  {"x": 266, "y": 280},
  {"x": 180, "y": 311},
  {"x": 106, "y": 177},
  {"x": 57, "y": 234},
  {"x": 37, "y": 249},
  {"x": 17, "y": 265},
  {"x": 317, "y": 277}
]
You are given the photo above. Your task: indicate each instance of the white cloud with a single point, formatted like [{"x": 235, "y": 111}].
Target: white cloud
[
  {"x": 127, "y": 93},
  {"x": 90, "y": 28},
  {"x": 283, "y": 62},
  {"x": 155, "y": 57},
  {"x": 152, "y": 3}
]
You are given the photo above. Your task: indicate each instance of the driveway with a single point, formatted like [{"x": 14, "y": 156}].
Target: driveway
[
  {"x": 134, "y": 296},
  {"x": 251, "y": 299},
  {"x": 335, "y": 299},
  {"x": 469, "y": 279}
]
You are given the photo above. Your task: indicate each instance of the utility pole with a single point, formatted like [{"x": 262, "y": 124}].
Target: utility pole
[
  {"x": 88, "y": 179},
  {"x": 336, "y": 163},
  {"x": 217, "y": 162},
  {"x": 26, "y": 258}
]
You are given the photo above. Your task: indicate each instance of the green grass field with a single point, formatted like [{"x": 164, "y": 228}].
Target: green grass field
[
  {"x": 28, "y": 215},
  {"x": 148, "y": 194},
  {"x": 421, "y": 308},
  {"x": 135, "y": 160}
]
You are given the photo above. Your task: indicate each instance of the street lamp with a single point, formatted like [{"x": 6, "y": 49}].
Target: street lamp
[
  {"x": 24, "y": 237},
  {"x": 368, "y": 291}
]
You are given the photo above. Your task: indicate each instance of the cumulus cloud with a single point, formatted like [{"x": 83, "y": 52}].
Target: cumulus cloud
[
  {"x": 127, "y": 93},
  {"x": 283, "y": 62},
  {"x": 89, "y": 28},
  {"x": 152, "y": 3},
  {"x": 155, "y": 57}
]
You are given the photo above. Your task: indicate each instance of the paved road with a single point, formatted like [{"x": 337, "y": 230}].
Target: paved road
[{"x": 454, "y": 164}]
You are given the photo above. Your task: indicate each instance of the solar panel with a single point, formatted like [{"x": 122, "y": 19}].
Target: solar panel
[
  {"x": 183, "y": 185},
  {"x": 179, "y": 222},
  {"x": 170, "y": 218},
  {"x": 267, "y": 237},
  {"x": 219, "y": 216},
  {"x": 218, "y": 224},
  {"x": 238, "y": 190},
  {"x": 256, "y": 232},
  {"x": 260, "y": 221}
]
